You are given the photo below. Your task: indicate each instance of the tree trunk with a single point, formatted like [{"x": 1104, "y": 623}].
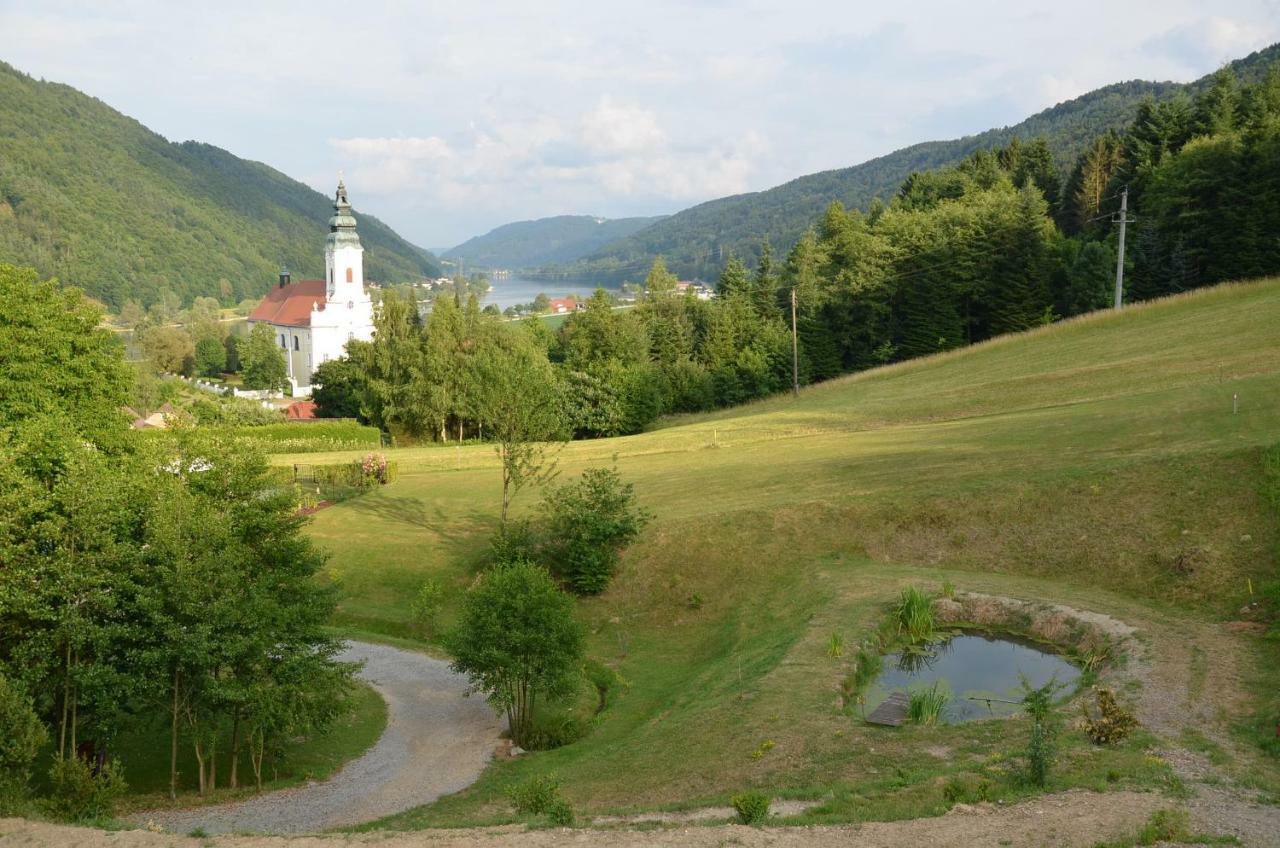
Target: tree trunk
[
  {"x": 506, "y": 484},
  {"x": 75, "y": 712},
  {"x": 66, "y": 705},
  {"x": 235, "y": 752},
  {"x": 199, "y": 762},
  {"x": 257, "y": 744},
  {"x": 173, "y": 742}
]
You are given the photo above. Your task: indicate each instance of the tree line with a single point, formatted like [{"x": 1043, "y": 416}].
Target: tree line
[{"x": 996, "y": 244}]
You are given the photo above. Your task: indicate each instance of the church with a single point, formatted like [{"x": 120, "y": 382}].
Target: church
[{"x": 313, "y": 319}]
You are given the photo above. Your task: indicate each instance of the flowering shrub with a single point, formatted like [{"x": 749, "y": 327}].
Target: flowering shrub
[{"x": 374, "y": 468}]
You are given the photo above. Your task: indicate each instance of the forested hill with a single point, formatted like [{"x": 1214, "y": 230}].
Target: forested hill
[
  {"x": 696, "y": 241},
  {"x": 561, "y": 239},
  {"x": 96, "y": 199}
]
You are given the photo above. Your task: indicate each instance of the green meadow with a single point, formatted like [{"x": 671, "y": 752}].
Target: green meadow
[{"x": 1111, "y": 463}]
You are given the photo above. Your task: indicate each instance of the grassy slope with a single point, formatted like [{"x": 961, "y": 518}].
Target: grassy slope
[{"x": 1095, "y": 462}]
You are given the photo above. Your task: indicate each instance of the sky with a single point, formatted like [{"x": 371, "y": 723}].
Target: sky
[{"x": 451, "y": 118}]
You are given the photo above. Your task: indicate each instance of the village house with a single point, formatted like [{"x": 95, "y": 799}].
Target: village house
[{"x": 564, "y": 305}]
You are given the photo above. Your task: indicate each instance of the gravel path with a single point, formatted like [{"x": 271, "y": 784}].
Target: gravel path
[{"x": 437, "y": 742}]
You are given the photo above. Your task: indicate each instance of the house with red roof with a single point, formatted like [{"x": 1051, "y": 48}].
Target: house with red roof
[{"x": 563, "y": 305}]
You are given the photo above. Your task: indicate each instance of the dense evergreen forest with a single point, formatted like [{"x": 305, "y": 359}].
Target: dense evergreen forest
[
  {"x": 96, "y": 199},
  {"x": 995, "y": 244},
  {"x": 698, "y": 241},
  {"x": 529, "y": 244}
]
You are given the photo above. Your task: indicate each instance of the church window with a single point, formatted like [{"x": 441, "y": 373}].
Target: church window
[
  {"x": 282, "y": 344},
  {"x": 295, "y": 343},
  {"x": 348, "y": 275}
]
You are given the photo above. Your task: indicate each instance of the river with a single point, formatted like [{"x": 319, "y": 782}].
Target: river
[{"x": 513, "y": 291}]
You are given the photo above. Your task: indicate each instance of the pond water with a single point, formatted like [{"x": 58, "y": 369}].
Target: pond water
[{"x": 972, "y": 666}]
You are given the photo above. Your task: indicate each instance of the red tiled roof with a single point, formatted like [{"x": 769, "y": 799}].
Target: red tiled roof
[
  {"x": 291, "y": 305},
  {"x": 563, "y": 304},
  {"x": 300, "y": 410}
]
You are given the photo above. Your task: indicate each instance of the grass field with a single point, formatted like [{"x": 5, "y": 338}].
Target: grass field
[{"x": 1097, "y": 462}]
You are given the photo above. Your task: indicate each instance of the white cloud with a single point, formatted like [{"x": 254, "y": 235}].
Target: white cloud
[{"x": 617, "y": 128}]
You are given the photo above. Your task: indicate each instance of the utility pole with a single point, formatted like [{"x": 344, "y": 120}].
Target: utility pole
[
  {"x": 795, "y": 348},
  {"x": 1122, "y": 220}
]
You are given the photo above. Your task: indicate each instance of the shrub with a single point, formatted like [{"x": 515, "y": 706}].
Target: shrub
[
  {"x": 19, "y": 743},
  {"x": 752, "y": 807},
  {"x": 1042, "y": 745},
  {"x": 426, "y": 605},
  {"x": 967, "y": 789},
  {"x": 560, "y": 813},
  {"x": 1173, "y": 826},
  {"x": 536, "y": 796},
  {"x": 77, "y": 794},
  {"x": 1113, "y": 722},
  {"x": 926, "y": 705},
  {"x": 914, "y": 615},
  {"x": 307, "y": 437},
  {"x": 547, "y": 730},
  {"x": 588, "y": 523},
  {"x": 515, "y": 542},
  {"x": 866, "y": 668},
  {"x": 604, "y": 679}
]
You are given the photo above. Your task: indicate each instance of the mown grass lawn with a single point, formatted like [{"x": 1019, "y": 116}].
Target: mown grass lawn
[{"x": 1097, "y": 463}]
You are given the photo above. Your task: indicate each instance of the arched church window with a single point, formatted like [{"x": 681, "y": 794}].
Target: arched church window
[
  {"x": 295, "y": 343},
  {"x": 348, "y": 275},
  {"x": 282, "y": 344}
]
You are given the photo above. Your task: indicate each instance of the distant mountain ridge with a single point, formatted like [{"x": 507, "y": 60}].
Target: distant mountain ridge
[
  {"x": 544, "y": 241},
  {"x": 696, "y": 241},
  {"x": 93, "y": 197}
]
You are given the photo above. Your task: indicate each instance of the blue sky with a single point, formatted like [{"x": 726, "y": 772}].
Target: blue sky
[{"x": 449, "y": 119}]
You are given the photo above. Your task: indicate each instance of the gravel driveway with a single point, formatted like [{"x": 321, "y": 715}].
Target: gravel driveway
[{"x": 437, "y": 742}]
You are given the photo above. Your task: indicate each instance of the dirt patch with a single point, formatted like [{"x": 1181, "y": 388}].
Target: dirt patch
[
  {"x": 312, "y": 510},
  {"x": 778, "y": 809},
  {"x": 1066, "y": 819}
]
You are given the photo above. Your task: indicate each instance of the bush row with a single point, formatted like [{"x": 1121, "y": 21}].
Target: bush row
[{"x": 309, "y": 438}]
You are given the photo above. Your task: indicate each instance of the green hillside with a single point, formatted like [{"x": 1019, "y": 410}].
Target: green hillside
[
  {"x": 696, "y": 241},
  {"x": 1096, "y": 463},
  {"x": 545, "y": 241},
  {"x": 96, "y": 199}
]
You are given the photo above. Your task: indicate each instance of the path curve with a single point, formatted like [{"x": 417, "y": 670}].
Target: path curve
[{"x": 437, "y": 741}]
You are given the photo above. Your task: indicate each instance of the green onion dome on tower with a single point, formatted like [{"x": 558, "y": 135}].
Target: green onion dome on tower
[{"x": 342, "y": 226}]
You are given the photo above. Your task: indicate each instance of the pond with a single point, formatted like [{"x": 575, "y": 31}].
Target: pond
[{"x": 972, "y": 666}]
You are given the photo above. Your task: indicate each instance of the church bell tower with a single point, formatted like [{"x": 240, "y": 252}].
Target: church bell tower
[{"x": 343, "y": 255}]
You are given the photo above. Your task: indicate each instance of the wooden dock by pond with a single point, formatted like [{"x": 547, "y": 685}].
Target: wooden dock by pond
[{"x": 892, "y": 712}]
